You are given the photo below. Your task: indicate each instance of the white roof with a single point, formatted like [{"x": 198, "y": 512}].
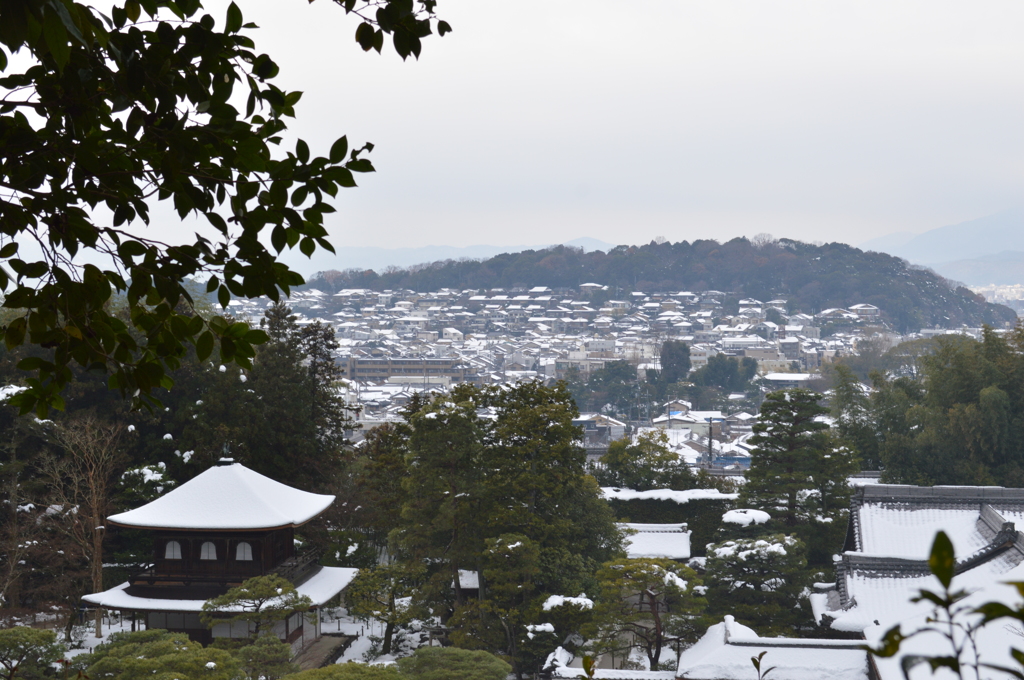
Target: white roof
[
  {"x": 725, "y": 650},
  {"x": 469, "y": 580},
  {"x": 228, "y": 496},
  {"x": 670, "y": 541},
  {"x": 617, "y": 494},
  {"x": 320, "y": 587},
  {"x": 893, "y": 531}
]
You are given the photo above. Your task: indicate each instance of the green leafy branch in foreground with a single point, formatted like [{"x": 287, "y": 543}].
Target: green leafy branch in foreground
[{"x": 153, "y": 103}]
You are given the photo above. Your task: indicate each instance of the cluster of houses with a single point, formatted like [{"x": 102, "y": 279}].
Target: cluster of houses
[
  {"x": 394, "y": 343},
  {"x": 230, "y": 523}
]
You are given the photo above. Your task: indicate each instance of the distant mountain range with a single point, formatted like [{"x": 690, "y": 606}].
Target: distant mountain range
[
  {"x": 810, "y": 277},
  {"x": 988, "y": 250},
  {"x": 380, "y": 259}
]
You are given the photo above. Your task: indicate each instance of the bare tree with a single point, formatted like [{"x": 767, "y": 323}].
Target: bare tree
[{"x": 81, "y": 482}]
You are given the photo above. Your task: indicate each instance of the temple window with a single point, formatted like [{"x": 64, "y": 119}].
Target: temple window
[
  {"x": 208, "y": 551},
  {"x": 243, "y": 553},
  {"x": 172, "y": 551}
]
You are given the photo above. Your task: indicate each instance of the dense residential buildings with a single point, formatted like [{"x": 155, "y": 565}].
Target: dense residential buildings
[{"x": 395, "y": 343}]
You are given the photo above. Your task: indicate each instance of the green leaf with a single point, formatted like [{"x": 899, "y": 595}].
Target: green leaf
[
  {"x": 34, "y": 364},
  {"x": 204, "y": 346},
  {"x": 234, "y": 20},
  {"x": 8, "y": 250},
  {"x": 302, "y": 151},
  {"x": 15, "y": 333},
  {"x": 364, "y": 36},
  {"x": 942, "y": 561},
  {"x": 443, "y": 27},
  {"x": 256, "y": 337},
  {"x": 133, "y": 10},
  {"x": 339, "y": 149},
  {"x": 56, "y": 36}
]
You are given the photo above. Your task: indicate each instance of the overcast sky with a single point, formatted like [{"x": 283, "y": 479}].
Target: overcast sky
[{"x": 540, "y": 122}]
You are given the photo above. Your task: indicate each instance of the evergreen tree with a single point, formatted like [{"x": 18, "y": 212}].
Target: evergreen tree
[
  {"x": 156, "y": 654},
  {"x": 330, "y": 413},
  {"x": 961, "y": 420},
  {"x": 519, "y": 471},
  {"x": 790, "y": 440},
  {"x": 537, "y": 482},
  {"x": 377, "y": 594},
  {"x": 379, "y": 471},
  {"x": 797, "y": 472},
  {"x": 283, "y": 418},
  {"x": 498, "y": 619},
  {"x": 854, "y": 422},
  {"x": 726, "y": 373},
  {"x": 450, "y": 663},
  {"x": 267, "y": 658},
  {"x": 648, "y": 601},
  {"x": 28, "y": 653},
  {"x": 442, "y": 519},
  {"x": 760, "y": 581},
  {"x": 259, "y": 602},
  {"x": 675, "y": 361},
  {"x": 645, "y": 463}
]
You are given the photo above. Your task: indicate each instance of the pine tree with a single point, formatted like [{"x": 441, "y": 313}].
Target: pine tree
[
  {"x": 281, "y": 439},
  {"x": 644, "y": 464},
  {"x": 798, "y": 473},
  {"x": 675, "y": 361},
  {"x": 854, "y": 420},
  {"x": 760, "y": 581},
  {"x": 648, "y": 601},
  {"x": 790, "y": 441},
  {"x": 329, "y": 412},
  {"x": 379, "y": 468},
  {"x": 442, "y": 522}
]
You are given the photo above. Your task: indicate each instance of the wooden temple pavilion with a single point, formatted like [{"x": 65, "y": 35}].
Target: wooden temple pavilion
[{"x": 212, "y": 533}]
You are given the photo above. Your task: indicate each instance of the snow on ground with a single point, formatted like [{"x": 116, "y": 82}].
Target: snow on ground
[{"x": 85, "y": 634}]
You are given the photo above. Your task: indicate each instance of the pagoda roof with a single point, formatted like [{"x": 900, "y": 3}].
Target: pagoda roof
[
  {"x": 319, "y": 588},
  {"x": 227, "y": 497}
]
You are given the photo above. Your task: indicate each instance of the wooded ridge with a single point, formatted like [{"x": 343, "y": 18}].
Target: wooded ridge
[{"x": 811, "y": 277}]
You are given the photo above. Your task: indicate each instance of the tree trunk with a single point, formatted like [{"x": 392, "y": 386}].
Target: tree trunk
[
  {"x": 656, "y": 657},
  {"x": 389, "y": 629}
]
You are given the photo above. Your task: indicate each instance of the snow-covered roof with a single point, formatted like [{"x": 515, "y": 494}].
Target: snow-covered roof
[
  {"x": 469, "y": 580},
  {"x": 320, "y": 587},
  {"x": 725, "y": 651},
  {"x": 670, "y": 541},
  {"x": 612, "y": 493},
  {"x": 226, "y": 497}
]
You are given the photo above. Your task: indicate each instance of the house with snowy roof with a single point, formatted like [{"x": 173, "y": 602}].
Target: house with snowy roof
[
  {"x": 656, "y": 541},
  {"x": 885, "y": 565},
  {"x": 210, "y": 534},
  {"x": 726, "y": 649}
]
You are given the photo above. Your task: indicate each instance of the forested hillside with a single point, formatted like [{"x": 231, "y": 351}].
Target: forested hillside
[{"x": 811, "y": 277}]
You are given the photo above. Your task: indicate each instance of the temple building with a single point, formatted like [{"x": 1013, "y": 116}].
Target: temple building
[{"x": 210, "y": 534}]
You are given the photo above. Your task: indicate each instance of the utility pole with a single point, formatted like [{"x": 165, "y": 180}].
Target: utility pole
[{"x": 711, "y": 450}]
